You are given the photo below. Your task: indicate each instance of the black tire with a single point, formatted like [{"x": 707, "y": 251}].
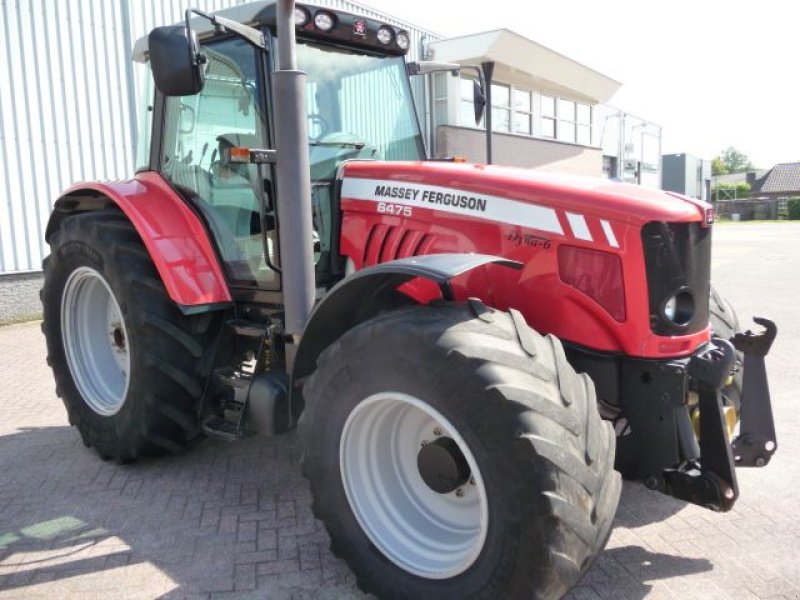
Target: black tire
[
  {"x": 529, "y": 420},
  {"x": 170, "y": 352},
  {"x": 725, "y": 325}
]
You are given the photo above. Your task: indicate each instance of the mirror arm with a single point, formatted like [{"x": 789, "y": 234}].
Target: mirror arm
[
  {"x": 197, "y": 58},
  {"x": 427, "y": 67},
  {"x": 478, "y": 71}
]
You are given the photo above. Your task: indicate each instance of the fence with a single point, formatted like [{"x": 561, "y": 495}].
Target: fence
[{"x": 748, "y": 210}]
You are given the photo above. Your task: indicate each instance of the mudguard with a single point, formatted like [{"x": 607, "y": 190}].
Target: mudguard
[
  {"x": 174, "y": 236},
  {"x": 365, "y": 293}
]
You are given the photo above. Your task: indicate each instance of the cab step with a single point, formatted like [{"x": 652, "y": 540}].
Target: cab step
[{"x": 232, "y": 388}]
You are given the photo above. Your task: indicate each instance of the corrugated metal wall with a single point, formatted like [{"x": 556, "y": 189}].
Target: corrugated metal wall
[{"x": 67, "y": 102}]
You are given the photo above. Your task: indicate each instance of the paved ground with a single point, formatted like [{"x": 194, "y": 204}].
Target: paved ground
[{"x": 234, "y": 520}]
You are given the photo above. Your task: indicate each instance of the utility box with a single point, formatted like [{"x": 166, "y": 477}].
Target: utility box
[{"x": 686, "y": 174}]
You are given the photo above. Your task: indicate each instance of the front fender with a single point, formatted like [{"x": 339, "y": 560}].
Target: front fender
[
  {"x": 365, "y": 293},
  {"x": 173, "y": 235}
]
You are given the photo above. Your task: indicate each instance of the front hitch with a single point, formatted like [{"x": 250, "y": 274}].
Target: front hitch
[
  {"x": 661, "y": 447},
  {"x": 709, "y": 481},
  {"x": 757, "y": 441}
]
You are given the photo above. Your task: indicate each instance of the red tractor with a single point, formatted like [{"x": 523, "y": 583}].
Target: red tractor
[{"x": 464, "y": 348}]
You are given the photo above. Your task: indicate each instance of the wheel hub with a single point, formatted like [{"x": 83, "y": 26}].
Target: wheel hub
[
  {"x": 443, "y": 466},
  {"x": 118, "y": 336}
]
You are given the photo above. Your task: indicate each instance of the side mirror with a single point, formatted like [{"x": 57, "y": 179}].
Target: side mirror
[
  {"x": 478, "y": 99},
  {"x": 176, "y": 61}
]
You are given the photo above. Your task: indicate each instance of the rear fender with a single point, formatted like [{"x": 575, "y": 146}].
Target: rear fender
[
  {"x": 174, "y": 236},
  {"x": 369, "y": 291}
]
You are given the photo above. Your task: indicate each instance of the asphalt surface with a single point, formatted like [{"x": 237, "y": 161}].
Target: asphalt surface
[{"x": 233, "y": 520}]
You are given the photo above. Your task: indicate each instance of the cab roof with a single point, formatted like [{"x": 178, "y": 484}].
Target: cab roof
[
  {"x": 263, "y": 13},
  {"x": 253, "y": 13}
]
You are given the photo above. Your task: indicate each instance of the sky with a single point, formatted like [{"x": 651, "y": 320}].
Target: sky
[{"x": 713, "y": 73}]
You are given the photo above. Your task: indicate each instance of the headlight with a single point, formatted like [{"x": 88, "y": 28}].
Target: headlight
[
  {"x": 301, "y": 16},
  {"x": 403, "y": 40},
  {"x": 679, "y": 309},
  {"x": 324, "y": 21},
  {"x": 385, "y": 35}
]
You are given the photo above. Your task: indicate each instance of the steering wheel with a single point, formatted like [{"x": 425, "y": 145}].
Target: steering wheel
[{"x": 324, "y": 126}]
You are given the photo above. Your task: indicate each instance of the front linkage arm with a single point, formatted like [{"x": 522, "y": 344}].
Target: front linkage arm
[
  {"x": 669, "y": 457},
  {"x": 757, "y": 441},
  {"x": 710, "y": 481}
]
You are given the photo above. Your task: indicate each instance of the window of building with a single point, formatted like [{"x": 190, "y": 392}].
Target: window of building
[
  {"x": 566, "y": 120},
  {"x": 513, "y": 110},
  {"x": 584, "y": 124},
  {"x": 501, "y": 107},
  {"x": 523, "y": 111},
  {"x": 548, "y": 116}
]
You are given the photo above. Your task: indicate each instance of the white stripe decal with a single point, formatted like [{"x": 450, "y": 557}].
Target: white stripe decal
[
  {"x": 461, "y": 202},
  {"x": 579, "y": 227},
  {"x": 612, "y": 239}
]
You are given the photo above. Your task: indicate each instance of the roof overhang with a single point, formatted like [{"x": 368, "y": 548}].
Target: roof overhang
[{"x": 523, "y": 62}]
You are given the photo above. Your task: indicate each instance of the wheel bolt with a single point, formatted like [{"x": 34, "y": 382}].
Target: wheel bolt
[
  {"x": 424, "y": 443},
  {"x": 437, "y": 431},
  {"x": 472, "y": 481},
  {"x": 460, "y": 493}
]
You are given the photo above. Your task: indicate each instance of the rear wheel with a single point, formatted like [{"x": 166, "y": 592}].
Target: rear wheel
[
  {"x": 453, "y": 452},
  {"x": 128, "y": 364}
]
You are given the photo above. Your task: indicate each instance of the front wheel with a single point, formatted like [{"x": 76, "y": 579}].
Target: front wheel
[{"x": 453, "y": 452}]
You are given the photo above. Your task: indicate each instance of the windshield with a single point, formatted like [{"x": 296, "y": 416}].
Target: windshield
[{"x": 358, "y": 106}]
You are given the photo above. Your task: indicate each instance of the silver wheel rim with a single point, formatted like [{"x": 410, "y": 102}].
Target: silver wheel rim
[
  {"x": 436, "y": 536},
  {"x": 95, "y": 341}
]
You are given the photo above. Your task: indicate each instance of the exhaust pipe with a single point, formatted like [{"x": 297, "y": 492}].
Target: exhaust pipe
[{"x": 293, "y": 179}]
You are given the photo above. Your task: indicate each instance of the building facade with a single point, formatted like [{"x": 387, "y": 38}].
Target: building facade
[
  {"x": 544, "y": 105},
  {"x": 70, "y": 113}
]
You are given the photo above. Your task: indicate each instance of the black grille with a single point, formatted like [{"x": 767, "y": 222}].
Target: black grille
[{"x": 677, "y": 258}]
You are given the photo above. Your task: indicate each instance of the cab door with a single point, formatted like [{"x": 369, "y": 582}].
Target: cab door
[{"x": 198, "y": 132}]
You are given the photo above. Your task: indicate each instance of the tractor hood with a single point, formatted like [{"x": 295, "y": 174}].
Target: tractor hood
[{"x": 487, "y": 190}]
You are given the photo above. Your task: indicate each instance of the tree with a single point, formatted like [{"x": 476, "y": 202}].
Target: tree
[
  {"x": 735, "y": 161},
  {"x": 718, "y": 167}
]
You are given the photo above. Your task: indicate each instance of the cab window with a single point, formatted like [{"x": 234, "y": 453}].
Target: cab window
[{"x": 199, "y": 131}]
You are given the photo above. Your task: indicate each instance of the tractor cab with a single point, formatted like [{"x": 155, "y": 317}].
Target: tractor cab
[{"x": 359, "y": 105}]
